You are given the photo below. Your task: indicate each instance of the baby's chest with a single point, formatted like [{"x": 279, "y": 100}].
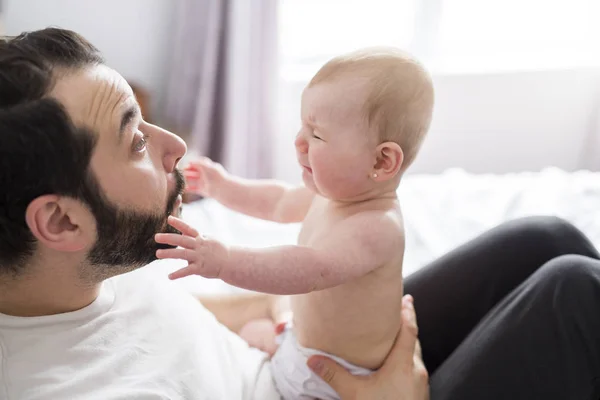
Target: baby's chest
[
  {"x": 318, "y": 224},
  {"x": 314, "y": 230}
]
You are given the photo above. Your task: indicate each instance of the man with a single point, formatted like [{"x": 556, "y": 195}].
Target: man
[{"x": 85, "y": 184}]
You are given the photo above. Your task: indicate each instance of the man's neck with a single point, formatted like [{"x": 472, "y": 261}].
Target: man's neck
[{"x": 53, "y": 288}]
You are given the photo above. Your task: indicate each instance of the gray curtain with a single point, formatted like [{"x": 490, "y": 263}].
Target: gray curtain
[
  {"x": 220, "y": 87},
  {"x": 2, "y": 18}
]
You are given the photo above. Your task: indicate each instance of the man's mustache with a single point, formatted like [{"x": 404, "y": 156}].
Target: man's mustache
[{"x": 178, "y": 190}]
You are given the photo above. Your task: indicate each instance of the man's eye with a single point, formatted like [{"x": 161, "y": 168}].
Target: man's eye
[{"x": 140, "y": 145}]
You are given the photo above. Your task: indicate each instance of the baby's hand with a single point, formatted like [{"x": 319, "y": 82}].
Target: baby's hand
[
  {"x": 205, "y": 257},
  {"x": 203, "y": 176}
]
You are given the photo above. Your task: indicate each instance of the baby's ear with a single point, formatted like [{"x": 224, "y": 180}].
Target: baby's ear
[{"x": 389, "y": 161}]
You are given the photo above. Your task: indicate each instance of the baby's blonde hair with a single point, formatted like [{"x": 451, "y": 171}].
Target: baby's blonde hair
[{"x": 399, "y": 100}]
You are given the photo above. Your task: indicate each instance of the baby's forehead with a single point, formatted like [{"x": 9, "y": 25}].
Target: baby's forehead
[{"x": 335, "y": 97}]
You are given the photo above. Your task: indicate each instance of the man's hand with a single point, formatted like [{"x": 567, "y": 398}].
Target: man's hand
[
  {"x": 205, "y": 257},
  {"x": 204, "y": 176},
  {"x": 402, "y": 377}
]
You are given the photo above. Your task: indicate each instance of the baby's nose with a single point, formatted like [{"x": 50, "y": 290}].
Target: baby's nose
[{"x": 301, "y": 144}]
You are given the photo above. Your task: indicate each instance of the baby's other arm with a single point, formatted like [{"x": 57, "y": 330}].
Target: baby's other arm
[{"x": 266, "y": 199}]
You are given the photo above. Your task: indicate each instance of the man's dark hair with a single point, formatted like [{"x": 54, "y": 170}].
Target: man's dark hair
[{"x": 41, "y": 150}]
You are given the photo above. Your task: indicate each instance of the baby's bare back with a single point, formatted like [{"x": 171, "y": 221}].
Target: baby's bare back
[{"x": 358, "y": 320}]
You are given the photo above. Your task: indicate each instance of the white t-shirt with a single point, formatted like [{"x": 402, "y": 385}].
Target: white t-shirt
[{"x": 142, "y": 338}]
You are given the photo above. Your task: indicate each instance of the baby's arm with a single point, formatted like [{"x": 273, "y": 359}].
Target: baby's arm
[
  {"x": 355, "y": 247},
  {"x": 265, "y": 199}
]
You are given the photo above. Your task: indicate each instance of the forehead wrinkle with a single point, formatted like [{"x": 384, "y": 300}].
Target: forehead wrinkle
[
  {"x": 93, "y": 110},
  {"x": 103, "y": 105}
]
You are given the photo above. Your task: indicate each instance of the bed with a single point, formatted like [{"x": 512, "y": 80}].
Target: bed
[{"x": 441, "y": 211}]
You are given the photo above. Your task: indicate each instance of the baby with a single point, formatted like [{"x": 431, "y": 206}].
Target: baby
[{"x": 364, "y": 116}]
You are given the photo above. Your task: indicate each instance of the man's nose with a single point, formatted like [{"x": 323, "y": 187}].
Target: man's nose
[{"x": 174, "y": 149}]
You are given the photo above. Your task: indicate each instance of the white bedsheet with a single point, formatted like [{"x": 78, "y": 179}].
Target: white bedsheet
[{"x": 441, "y": 212}]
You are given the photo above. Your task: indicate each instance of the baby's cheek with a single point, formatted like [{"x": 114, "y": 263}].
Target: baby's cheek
[
  {"x": 347, "y": 182},
  {"x": 340, "y": 171}
]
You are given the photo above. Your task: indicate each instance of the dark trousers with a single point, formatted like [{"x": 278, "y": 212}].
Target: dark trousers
[{"x": 513, "y": 314}]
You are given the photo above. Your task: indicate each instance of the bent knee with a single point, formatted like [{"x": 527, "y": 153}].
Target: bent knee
[
  {"x": 556, "y": 235},
  {"x": 569, "y": 272},
  {"x": 550, "y": 228}
]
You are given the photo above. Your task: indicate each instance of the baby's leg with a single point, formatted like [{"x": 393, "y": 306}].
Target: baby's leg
[{"x": 261, "y": 334}]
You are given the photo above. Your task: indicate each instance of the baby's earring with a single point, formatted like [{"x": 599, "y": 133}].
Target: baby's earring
[{"x": 375, "y": 175}]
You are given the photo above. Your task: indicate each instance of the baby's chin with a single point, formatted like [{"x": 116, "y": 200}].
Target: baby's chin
[
  {"x": 349, "y": 193},
  {"x": 334, "y": 189},
  {"x": 310, "y": 183}
]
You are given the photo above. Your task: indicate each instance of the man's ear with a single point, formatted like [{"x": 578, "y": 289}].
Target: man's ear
[
  {"x": 389, "y": 161},
  {"x": 57, "y": 222}
]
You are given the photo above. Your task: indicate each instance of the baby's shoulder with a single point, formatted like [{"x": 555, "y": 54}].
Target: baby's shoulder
[
  {"x": 386, "y": 217},
  {"x": 378, "y": 225}
]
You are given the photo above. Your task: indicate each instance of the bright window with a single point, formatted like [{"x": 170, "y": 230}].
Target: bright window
[{"x": 460, "y": 36}]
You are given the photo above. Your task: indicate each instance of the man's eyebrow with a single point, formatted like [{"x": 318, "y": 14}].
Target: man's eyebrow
[{"x": 128, "y": 117}]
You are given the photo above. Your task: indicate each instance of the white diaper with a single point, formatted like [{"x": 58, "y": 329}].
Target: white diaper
[{"x": 294, "y": 379}]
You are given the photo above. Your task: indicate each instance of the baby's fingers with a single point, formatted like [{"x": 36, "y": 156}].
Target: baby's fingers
[
  {"x": 182, "y": 227},
  {"x": 199, "y": 163},
  {"x": 192, "y": 183},
  {"x": 175, "y": 239},
  {"x": 191, "y": 175},
  {"x": 181, "y": 273},
  {"x": 179, "y": 254},
  {"x": 192, "y": 188}
]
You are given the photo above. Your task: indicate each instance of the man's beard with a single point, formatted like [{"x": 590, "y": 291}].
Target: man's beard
[{"x": 125, "y": 238}]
